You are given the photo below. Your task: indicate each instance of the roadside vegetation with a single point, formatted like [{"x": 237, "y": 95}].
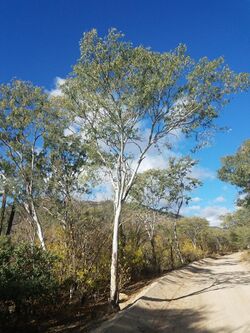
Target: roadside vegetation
[
  {"x": 59, "y": 249},
  {"x": 236, "y": 170}
]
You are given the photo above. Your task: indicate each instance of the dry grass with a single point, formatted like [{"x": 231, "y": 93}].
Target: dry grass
[{"x": 246, "y": 256}]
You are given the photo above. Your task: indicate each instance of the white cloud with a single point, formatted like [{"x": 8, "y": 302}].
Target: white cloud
[
  {"x": 57, "y": 91},
  {"x": 153, "y": 162},
  {"x": 156, "y": 159},
  {"x": 196, "y": 199},
  {"x": 213, "y": 214},
  {"x": 194, "y": 207},
  {"x": 203, "y": 173},
  {"x": 220, "y": 199}
]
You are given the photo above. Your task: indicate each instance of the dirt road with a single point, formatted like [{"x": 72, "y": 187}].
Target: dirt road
[{"x": 212, "y": 295}]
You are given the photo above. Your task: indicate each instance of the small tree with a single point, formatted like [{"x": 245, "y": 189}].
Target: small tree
[
  {"x": 179, "y": 184},
  {"x": 131, "y": 98},
  {"x": 238, "y": 225},
  {"x": 148, "y": 193},
  {"x": 194, "y": 227},
  {"x": 165, "y": 190},
  {"x": 236, "y": 170}
]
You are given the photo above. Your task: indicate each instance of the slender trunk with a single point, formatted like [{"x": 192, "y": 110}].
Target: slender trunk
[
  {"x": 177, "y": 244},
  {"x": 2, "y": 211},
  {"x": 171, "y": 255},
  {"x": 122, "y": 238},
  {"x": 218, "y": 244},
  {"x": 154, "y": 257},
  {"x": 194, "y": 243},
  {"x": 176, "y": 239},
  {"x": 39, "y": 230},
  {"x": 31, "y": 210},
  {"x": 152, "y": 241},
  {"x": 72, "y": 246},
  {"x": 11, "y": 219},
  {"x": 114, "y": 293}
]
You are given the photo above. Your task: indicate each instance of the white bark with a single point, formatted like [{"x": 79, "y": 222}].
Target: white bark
[
  {"x": 39, "y": 230},
  {"x": 31, "y": 210},
  {"x": 114, "y": 293},
  {"x": 177, "y": 244}
]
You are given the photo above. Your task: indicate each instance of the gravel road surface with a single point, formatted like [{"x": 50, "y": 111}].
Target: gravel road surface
[{"x": 212, "y": 295}]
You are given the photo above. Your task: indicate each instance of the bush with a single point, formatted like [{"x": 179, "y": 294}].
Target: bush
[
  {"x": 190, "y": 253},
  {"x": 26, "y": 276},
  {"x": 246, "y": 256}
]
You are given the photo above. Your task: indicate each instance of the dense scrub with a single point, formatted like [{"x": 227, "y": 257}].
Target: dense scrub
[
  {"x": 75, "y": 267},
  {"x": 28, "y": 280}
]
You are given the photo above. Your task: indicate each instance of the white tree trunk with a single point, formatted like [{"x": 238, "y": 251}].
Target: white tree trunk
[
  {"x": 31, "y": 210},
  {"x": 39, "y": 230},
  {"x": 177, "y": 244},
  {"x": 114, "y": 293}
]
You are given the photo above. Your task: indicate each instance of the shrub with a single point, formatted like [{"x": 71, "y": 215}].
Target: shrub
[
  {"x": 26, "y": 276},
  {"x": 190, "y": 253}
]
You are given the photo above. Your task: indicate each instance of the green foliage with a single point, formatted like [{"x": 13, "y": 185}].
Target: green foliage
[
  {"x": 236, "y": 170},
  {"x": 217, "y": 240},
  {"x": 166, "y": 188},
  {"x": 238, "y": 226},
  {"x": 180, "y": 182},
  {"x": 121, "y": 85},
  {"x": 132, "y": 263},
  {"x": 195, "y": 229},
  {"x": 25, "y": 123},
  {"x": 26, "y": 275},
  {"x": 191, "y": 253}
]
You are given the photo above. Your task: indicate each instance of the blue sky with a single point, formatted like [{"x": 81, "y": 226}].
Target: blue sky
[{"x": 40, "y": 41}]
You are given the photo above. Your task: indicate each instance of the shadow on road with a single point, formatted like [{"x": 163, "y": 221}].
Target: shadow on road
[{"x": 141, "y": 320}]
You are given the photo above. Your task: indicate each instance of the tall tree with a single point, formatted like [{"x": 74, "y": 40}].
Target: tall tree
[
  {"x": 26, "y": 121},
  {"x": 131, "y": 99}
]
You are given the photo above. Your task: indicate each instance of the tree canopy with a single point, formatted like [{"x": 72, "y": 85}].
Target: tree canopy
[
  {"x": 121, "y": 91},
  {"x": 236, "y": 170}
]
